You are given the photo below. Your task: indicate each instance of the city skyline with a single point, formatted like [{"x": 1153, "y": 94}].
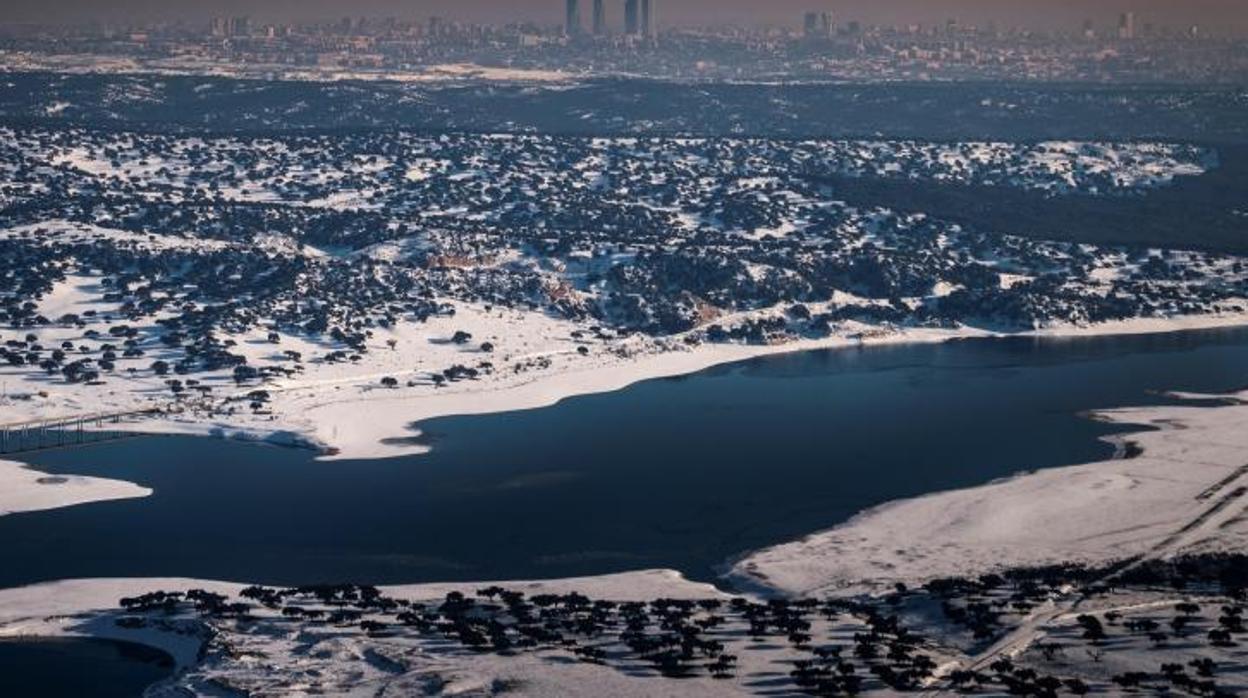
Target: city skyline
[{"x": 1052, "y": 14}]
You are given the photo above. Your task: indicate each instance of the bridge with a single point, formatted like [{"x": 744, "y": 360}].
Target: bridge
[{"x": 72, "y": 430}]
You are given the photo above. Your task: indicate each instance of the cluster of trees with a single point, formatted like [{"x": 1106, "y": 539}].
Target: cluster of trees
[
  {"x": 708, "y": 228},
  {"x": 834, "y": 646},
  {"x": 677, "y": 638}
]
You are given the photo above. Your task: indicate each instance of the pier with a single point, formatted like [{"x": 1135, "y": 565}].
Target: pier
[{"x": 73, "y": 430}]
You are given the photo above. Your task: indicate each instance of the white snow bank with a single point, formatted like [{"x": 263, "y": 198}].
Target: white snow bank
[
  {"x": 1183, "y": 494},
  {"x": 358, "y": 425},
  {"x": 343, "y": 407},
  {"x": 25, "y": 490}
]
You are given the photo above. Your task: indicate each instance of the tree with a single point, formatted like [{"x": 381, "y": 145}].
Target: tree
[
  {"x": 244, "y": 373},
  {"x": 1076, "y": 687}
]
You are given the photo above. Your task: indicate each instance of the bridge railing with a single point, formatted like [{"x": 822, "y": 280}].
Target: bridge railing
[{"x": 54, "y": 432}]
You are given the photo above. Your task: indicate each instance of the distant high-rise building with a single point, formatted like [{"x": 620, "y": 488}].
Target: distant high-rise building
[
  {"x": 827, "y": 23},
  {"x": 1126, "y": 25},
  {"x": 600, "y": 18},
  {"x": 240, "y": 26},
  {"x": 632, "y": 17},
  {"x": 810, "y": 25},
  {"x": 220, "y": 27},
  {"x": 817, "y": 25},
  {"x": 649, "y": 21},
  {"x": 1089, "y": 29},
  {"x": 572, "y": 18}
]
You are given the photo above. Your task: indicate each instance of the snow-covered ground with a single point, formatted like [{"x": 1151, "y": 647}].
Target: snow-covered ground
[
  {"x": 293, "y": 288},
  {"x": 24, "y": 490},
  {"x": 280, "y": 658},
  {"x": 369, "y": 172},
  {"x": 493, "y": 320},
  {"x": 356, "y": 419},
  {"x": 64, "y": 608},
  {"x": 344, "y": 409},
  {"x": 1183, "y": 494}
]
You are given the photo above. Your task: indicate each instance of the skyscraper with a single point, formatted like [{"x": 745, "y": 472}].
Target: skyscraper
[
  {"x": 572, "y": 18},
  {"x": 1126, "y": 25},
  {"x": 632, "y": 17},
  {"x": 827, "y": 24},
  {"x": 240, "y": 27},
  {"x": 600, "y": 18},
  {"x": 648, "y": 19},
  {"x": 817, "y": 25},
  {"x": 810, "y": 24}
]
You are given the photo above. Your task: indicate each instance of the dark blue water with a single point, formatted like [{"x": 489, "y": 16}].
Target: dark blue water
[
  {"x": 79, "y": 668},
  {"x": 679, "y": 473}
]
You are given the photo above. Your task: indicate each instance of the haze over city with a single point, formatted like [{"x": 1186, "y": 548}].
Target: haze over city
[{"x": 1227, "y": 15}]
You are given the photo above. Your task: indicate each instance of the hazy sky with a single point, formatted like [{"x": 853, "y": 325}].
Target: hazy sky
[{"x": 1214, "y": 14}]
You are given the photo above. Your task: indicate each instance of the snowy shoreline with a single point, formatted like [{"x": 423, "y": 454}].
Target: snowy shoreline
[
  {"x": 23, "y": 489},
  {"x": 372, "y": 425},
  {"x": 1157, "y": 436},
  {"x": 1178, "y": 494}
]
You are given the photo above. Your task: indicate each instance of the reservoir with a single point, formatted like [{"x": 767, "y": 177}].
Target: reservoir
[
  {"x": 79, "y": 667},
  {"x": 679, "y": 473}
]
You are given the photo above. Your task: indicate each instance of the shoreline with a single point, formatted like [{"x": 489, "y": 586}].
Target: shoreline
[
  {"x": 24, "y": 489},
  {"x": 376, "y": 423},
  {"x": 1173, "y": 488},
  {"x": 1129, "y": 444},
  {"x": 1188, "y": 468}
]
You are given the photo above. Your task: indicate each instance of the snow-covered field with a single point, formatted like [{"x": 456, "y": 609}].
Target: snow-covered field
[
  {"x": 343, "y": 409},
  {"x": 24, "y": 490},
  {"x": 332, "y": 290},
  {"x": 355, "y": 419},
  {"x": 335, "y": 292},
  {"x": 372, "y": 171},
  {"x": 1182, "y": 495}
]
